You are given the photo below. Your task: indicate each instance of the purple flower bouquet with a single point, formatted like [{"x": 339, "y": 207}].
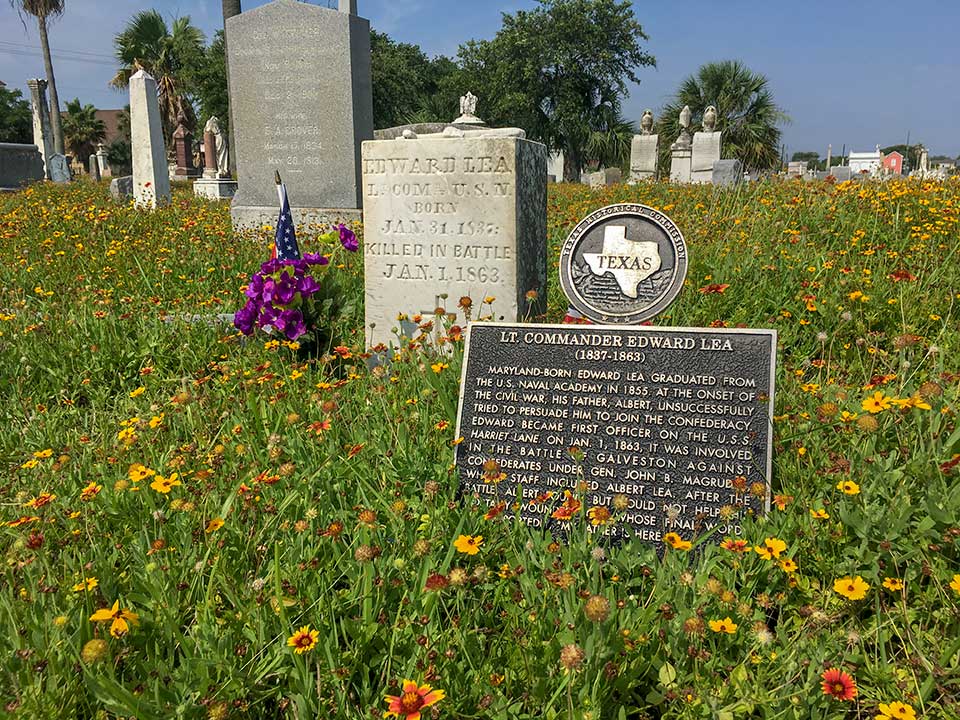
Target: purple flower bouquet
[{"x": 285, "y": 298}]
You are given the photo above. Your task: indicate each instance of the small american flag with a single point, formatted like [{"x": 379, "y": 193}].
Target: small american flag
[{"x": 285, "y": 241}]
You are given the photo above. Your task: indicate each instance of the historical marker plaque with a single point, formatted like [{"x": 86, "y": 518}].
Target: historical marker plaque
[
  {"x": 623, "y": 264},
  {"x": 676, "y": 420}
]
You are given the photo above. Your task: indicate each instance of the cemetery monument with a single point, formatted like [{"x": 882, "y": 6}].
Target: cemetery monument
[
  {"x": 151, "y": 178},
  {"x": 643, "y": 150},
  {"x": 183, "y": 148},
  {"x": 215, "y": 183},
  {"x": 301, "y": 103},
  {"x": 706, "y": 148},
  {"x": 681, "y": 151},
  {"x": 461, "y": 213},
  {"x": 42, "y": 132}
]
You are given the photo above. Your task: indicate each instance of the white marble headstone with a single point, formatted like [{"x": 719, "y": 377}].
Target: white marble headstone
[
  {"x": 643, "y": 157},
  {"x": 151, "y": 179},
  {"x": 706, "y": 151},
  {"x": 452, "y": 217}
]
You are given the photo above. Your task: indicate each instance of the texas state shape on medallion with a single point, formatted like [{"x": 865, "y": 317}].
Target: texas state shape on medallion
[{"x": 630, "y": 262}]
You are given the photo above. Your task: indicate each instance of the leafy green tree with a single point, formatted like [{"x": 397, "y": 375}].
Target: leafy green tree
[
  {"x": 398, "y": 73},
  {"x": 168, "y": 54},
  {"x": 408, "y": 87},
  {"x": 559, "y": 71},
  {"x": 119, "y": 152},
  {"x": 809, "y": 157},
  {"x": 209, "y": 83},
  {"x": 746, "y": 113},
  {"x": 16, "y": 118},
  {"x": 44, "y": 10},
  {"x": 608, "y": 144},
  {"x": 83, "y": 130},
  {"x": 120, "y": 157}
]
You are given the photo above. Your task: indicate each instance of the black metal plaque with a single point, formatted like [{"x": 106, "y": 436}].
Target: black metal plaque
[
  {"x": 623, "y": 264},
  {"x": 673, "y": 425}
]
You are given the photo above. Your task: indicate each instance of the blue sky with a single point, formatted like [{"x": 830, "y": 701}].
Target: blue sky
[{"x": 846, "y": 72}]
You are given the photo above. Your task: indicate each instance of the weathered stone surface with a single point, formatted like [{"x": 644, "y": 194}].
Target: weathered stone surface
[
  {"x": 667, "y": 417},
  {"x": 151, "y": 178},
  {"x": 555, "y": 165},
  {"x": 121, "y": 188},
  {"x": 841, "y": 173},
  {"x": 432, "y": 128},
  {"x": 302, "y": 104},
  {"x": 604, "y": 177},
  {"x": 58, "y": 168},
  {"x": 681, "y": 156},
  {"x": 797, "y": 169},
  {"x": 643, "y": 157},
  {"x": 215, "y": 188},
  {"x": 94, "y": 168},
  {"x": 706, "y": 151},
  {"x": 19, "y": 165},
  {"x": 183, "y": 150},
  {"x": 455, "y": 217},
  {"x": 102, "y": 162},
  {"x": 216, "y": 150},
  {"x": 42, "y": 132},
  {"x": 727, "y": 172},
  {"x": 209, "y": 155}
]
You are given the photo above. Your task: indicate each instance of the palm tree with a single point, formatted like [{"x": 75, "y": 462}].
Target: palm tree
[
  {"x": 43, "y": 9},
  {"x": 746, "y": 113},
  {"x": 609, "y": 141},
  {"x": 83, "y": 130},
  {"x": 167, "y": 54}
]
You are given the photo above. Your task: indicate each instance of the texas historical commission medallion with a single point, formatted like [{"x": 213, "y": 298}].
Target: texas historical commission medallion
[{"x": 623, "y": 264}]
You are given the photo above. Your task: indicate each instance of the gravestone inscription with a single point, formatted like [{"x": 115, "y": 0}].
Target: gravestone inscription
[
  {"x": 447, "y": 217},
  {"x": 301, "y": 103},
  {"x": 676, "y": 421}
]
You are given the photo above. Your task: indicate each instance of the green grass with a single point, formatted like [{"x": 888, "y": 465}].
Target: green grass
[{"x": 338, "y": 499}]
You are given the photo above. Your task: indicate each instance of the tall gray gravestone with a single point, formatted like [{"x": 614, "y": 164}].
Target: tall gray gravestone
[
  {"x": 452, "y": 215},
  {"x": 151, "y": 178},
  {"x": 706, "y": 148},
  {"x": 301, "y": 101}
]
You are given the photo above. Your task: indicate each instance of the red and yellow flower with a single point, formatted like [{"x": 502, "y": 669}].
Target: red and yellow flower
[
  {"x": 839, "y": 685},
  {"x": 414, "y": 697},
  {"x": 303, "y": 640}
]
